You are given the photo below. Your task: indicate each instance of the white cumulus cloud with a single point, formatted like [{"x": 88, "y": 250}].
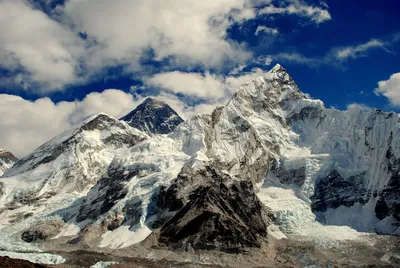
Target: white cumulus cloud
[
  {"x": 44, "y": 49},
  {"x": 207, "y": 87},
  {"x": 190, "y": 31},
  {"x": 47, "y": 50},
  {"x": 390, "y": 89}
]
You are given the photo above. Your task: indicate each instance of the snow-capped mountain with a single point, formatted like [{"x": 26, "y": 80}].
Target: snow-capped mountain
[
  {"x": 271, "y": 157},
  {"x": 7, "y": 160},
  {"x": 70, "y": 163},
  {"x": 153, "y": 117}
]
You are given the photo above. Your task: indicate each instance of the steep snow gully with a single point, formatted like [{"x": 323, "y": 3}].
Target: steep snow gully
[{"x": 271, "y": 161}]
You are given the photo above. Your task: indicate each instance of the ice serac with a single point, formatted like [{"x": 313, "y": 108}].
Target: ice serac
[
  {"x": 153, "y": 117},
  {"x": 7, "y": 160},
  {"x": 70, "y": 163}
]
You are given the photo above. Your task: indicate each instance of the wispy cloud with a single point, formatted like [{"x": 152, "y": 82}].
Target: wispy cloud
[
  {"x": 353, "y": 52},
  {"x": 337, "y": 56},
  {"x": 267, "y": 30},
  {"x": 297, "y": 58},
  {"x": 316, "y": 14},
  {"x": 360, "y": 106}
]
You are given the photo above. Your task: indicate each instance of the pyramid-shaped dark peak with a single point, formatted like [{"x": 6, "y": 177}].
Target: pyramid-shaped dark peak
[
  {"x": 153, "y": 116},
  {"x": 7, "y": 160},
  {"x": 150, "y": 100},
  {"x": 4, "y": 154}
]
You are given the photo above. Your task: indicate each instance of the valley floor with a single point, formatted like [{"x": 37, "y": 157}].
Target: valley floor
[{"x": 379, "y": 251}]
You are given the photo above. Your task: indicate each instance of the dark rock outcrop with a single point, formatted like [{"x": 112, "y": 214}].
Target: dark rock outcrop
[
  {"x": 42, "y": 231},
  {"x": 291, "y": 176},
  {"x": 7, "y": 160},
  {"x": 2, "y": 188},
  {"x": 153, "y": 117},
  {"x": 33, "y": 236},
  {"x": 110, "y": 189},
  {"x": 389, "y": 198},
  {"x": 216, "y": 215},
  {"x": 334, "y": 191},
  {"x": 7, "y": 262}
]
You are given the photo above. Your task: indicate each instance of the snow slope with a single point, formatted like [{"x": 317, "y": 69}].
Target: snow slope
[
  {"x": 71, "y": 162},
  {"x": 59, "y": 172}
]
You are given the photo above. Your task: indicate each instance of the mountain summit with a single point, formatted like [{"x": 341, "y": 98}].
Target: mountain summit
[
  {"x": 7, "y": 160},
  {"x": 153, "y": 117}
]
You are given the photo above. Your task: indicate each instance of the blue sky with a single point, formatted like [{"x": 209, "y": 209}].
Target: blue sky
[{"x": 65, "y": 60}]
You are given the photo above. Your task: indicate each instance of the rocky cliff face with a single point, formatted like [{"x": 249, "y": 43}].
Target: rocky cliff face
[
  {"x": 153, "y": 117},
  {"x": 216, "y": 215},
  {"x": 7, "y": 160},
  {"x": 360, "y": 166}
]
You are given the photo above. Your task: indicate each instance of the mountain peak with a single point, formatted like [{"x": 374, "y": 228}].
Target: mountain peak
[
  {"x": 151, "y": 99},
  {"x": 7, "y": 154},
  {"x": 98, "y": 122},
  {"x": 7, "y": 160},
  {"x": 153, "y": 116},
  {"x": 277, "y": 68}
]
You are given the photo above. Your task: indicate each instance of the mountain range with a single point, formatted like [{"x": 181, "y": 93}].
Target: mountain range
[{"x": 271, "y": 162}]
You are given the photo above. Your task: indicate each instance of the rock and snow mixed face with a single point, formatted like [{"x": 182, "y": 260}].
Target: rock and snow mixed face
[
  {"x": 353, "y": 166},
  {"x": 69, "y": 164}
]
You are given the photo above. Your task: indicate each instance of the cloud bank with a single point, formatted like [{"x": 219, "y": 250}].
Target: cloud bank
[{"x": 45, "y": 49}]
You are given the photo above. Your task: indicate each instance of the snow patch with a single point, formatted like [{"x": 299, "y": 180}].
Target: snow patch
[
  {"x": 102, "y": 264},
  {"x": 123, "y": 237},
  {"x": 42, "y": 258}
]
